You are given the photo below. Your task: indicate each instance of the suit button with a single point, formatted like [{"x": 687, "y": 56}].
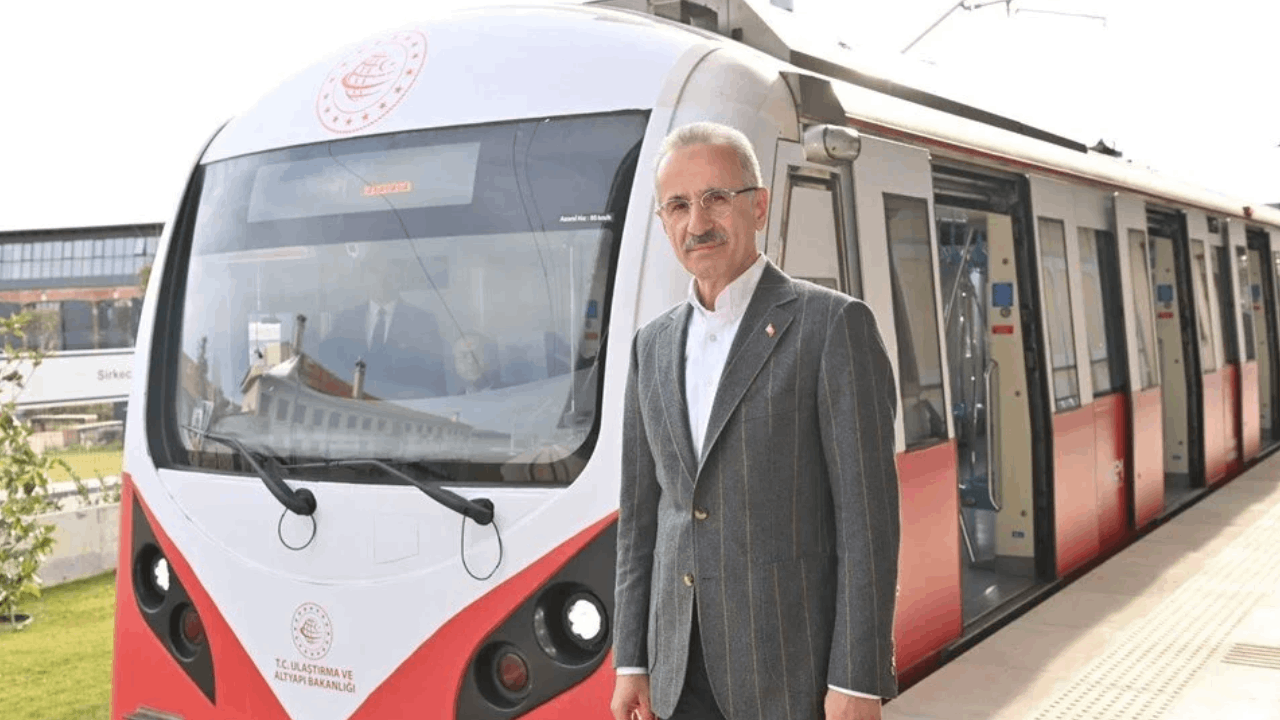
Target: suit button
[
  {"x": 688, "y": 579},
  {"x": 700, "y": 513}
]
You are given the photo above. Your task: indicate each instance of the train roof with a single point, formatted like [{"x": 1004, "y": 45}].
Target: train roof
[
  {"x": 476, "y": 66},
  {"x": 878, "y": 97},
  {"x": 613, "y": 55}
]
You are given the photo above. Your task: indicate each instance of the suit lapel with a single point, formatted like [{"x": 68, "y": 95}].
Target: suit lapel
[
  {"x": 751, "y": 347},
  {"x": 671, "y": 381}
]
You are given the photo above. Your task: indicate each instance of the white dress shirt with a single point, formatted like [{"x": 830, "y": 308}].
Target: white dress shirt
[{"x": 706, "y": 350}]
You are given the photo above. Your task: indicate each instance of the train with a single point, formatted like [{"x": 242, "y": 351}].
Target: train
[{"x": 372, "y": 461}]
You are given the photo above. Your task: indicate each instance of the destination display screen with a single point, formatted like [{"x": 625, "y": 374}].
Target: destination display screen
[{"x": 415, "y": 177}]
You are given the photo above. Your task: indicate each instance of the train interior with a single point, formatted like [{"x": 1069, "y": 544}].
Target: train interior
[{"x": 982, "y": 323}]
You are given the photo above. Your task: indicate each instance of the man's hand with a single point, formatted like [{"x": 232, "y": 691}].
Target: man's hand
[
  {"x": 842, "y": 706},
  {"x": 631, "y": 698}
]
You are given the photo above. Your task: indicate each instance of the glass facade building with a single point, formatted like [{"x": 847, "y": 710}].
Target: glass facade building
[{"x": 83, "y": 287}]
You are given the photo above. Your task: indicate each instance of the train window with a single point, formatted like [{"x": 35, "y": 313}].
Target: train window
[
  {"x": 299, "y": 413},
  {"x": 1246, "y": 303},
  {"x": 484, "y": 253},
  {"x": 915, "y": 320},
  {"x": 1222, "y": 281},
  {"x": 77, "y": 325},
  {"x": 335, "y": 420},
  {"x": 1103, "y": 316},
  {"x": 1140, "y": 277},
  {"x": 264, "y": 405},
  {"x": 282, "y": 409},
  {"x": 1057, "y": 312},
  {"x": 317, "y": 418},
  {"x": 1208, "y": 358},
  {"x": 813, "y": 243}
]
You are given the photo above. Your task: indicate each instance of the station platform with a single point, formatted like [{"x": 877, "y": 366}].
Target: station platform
[{"x": 1183, "y": 624}]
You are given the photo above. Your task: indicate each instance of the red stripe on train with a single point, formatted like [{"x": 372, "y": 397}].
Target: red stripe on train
[
  {"x": 144, "y": 674},
  {"x": 427, "y": 683}
]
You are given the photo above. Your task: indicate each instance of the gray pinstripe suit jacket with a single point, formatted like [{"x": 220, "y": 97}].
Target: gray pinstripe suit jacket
[{"x": 785, "y": 530}]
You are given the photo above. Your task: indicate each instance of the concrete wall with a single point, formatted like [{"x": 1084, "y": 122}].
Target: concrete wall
[{"x": 86, "y": 541}]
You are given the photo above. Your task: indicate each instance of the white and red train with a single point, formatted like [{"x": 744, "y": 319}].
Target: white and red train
[{"x": 373, "y": 457}]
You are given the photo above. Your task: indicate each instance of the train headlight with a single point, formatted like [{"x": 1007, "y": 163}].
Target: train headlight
[
  {"x": 570, "y": 624},
  {"x": 150, "y": 577},
  {"x": 186, "y": 631},
  {"x": 512, "y": 672},
  {"x": 191, "y": 626},
  {"x": 584, "y": 620}
]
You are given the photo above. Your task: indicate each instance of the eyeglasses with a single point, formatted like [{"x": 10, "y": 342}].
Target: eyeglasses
[{"x": 716, "y": 202}]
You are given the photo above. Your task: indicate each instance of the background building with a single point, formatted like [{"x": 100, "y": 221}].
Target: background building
[{"x": 83, "y": 288}]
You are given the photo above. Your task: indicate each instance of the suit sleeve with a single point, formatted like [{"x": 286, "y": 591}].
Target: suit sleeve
[
  {"x": 856, "y": 408},
  {"x": 637, "y": 531}
]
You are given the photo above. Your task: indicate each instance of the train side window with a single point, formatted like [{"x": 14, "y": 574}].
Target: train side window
[
  {"x": 1140, "y": 277},
  {"x": 915, "y": 320},
  {"x": 1057, "y": 312},
  {"x": 1208, "y": 358},
  {"x": 1246, "y": 303},
  {"x": 1222, "y": 281},
  {"x": 282, "y": 410},
  {"x": 1103, "y": 316},
  {"x": 813, "y": 238}
]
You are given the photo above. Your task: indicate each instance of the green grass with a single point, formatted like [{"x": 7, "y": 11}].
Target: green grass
[
  {"x": 89, "y": 463},
  {"x": 59, "y": 667}
]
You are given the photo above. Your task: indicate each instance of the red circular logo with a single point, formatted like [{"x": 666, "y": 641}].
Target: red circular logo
[
  {"x": 312, "y": 631},
  {"x": 366, "y": 86}
]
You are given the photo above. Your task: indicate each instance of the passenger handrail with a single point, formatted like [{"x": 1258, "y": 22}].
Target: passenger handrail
[
  {"x": 993, "y": 423},
  {"x": 955, "y": 285}
]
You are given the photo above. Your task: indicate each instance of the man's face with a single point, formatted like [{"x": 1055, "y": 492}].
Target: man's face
[{"x": 712, "y": 249}]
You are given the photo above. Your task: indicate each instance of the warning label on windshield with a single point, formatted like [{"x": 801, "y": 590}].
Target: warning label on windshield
[{"x": 588, "y": 217}]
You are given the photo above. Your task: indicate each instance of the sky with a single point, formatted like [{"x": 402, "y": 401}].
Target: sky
[{"x": 106, "y": 105}]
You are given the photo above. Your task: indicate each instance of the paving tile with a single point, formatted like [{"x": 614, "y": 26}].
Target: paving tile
[
  {"x": 1229, "y": 691},
  {"x": 1078, "y": 608},
  {"x": 1052, "y": 649},
  {"x": 965, "y": 691},
  {"x": 1259, "y": 627}
]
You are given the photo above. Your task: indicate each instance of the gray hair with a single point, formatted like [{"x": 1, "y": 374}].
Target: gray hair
[{"x": 709, "y": 133}]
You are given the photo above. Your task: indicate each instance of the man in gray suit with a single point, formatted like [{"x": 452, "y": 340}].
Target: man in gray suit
[{"x": 758, "y": 524}]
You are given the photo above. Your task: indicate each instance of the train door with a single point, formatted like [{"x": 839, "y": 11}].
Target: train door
[
  {"x": 1262, "y": 295},
  {"x": 1146, "y": 426},
  {"x": 1175, "y": 325},
  {"x": 1083, "y": 323},
  {"x": 1252, "y": 346},
  {"x": 894, "y": 207},
  {"x": 985, "y": 322},
  {"x": 1216, "y": 382},
  {"x": 1236, "y": 374}
]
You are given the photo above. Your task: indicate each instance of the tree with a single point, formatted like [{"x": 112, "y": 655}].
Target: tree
[{"x": 24, "y": 480}]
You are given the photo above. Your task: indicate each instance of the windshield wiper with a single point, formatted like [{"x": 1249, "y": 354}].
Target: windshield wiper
[
  {"x": 479, "y": 509},
  {"x": 300, "y": 501}
]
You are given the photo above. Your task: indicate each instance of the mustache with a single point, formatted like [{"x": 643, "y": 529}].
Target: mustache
[{"x": 709, "y": 237}]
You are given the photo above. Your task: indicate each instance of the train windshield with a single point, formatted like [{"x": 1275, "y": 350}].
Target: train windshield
[{"x": 436, "y": 296}]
